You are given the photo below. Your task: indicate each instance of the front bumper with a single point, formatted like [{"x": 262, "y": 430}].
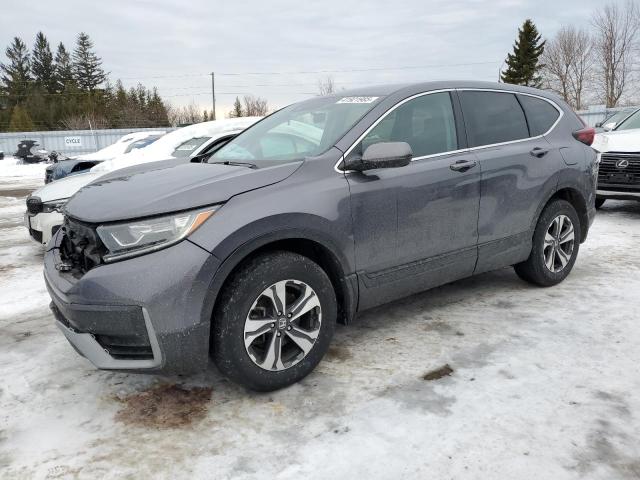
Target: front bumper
[
  {"x": 155, "y": 304},
  {"x": 43, "y": 225},
  {"x": 618, "y": 194}
]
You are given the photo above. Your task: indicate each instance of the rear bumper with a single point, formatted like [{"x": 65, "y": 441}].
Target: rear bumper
[
  {"x": 618, "y": 195},
  {"x": 145, "y": 314}
]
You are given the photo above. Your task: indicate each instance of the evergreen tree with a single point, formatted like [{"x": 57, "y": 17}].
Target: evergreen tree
[
  {"x": 42, "y": 65},
  {"x": 523, "y": 65},
  {"x": 237, "y": 109},
  {"x": 63, "y": 69},
  {"x": 20, "y": 120},
  {"x": 87, "y": 65},
  {"x": 16, "y": 75}
]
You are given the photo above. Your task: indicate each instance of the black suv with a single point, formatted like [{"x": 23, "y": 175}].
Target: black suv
[{"x": 319, "y": 211}]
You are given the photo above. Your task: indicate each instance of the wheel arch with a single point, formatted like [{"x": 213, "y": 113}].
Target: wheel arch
[
  {"x": 312, "y": 245},
  {"x": 574, "y": 196}
]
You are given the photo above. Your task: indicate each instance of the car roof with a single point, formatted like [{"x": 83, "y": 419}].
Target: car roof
[{"x": 411, "y": 88}]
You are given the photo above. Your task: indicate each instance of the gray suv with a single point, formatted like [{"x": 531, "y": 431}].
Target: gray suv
[{"x": 323, "y": 209}]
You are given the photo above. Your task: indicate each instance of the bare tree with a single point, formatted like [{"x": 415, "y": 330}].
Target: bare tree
[
  {"x": 185, "y": 115},
  {"x": 617, "y": 29},
  {"x": 326, "y": 86},
  {"x": 254, "y": 106},
  {"x": 85, "y": 121},
  {"x": 568, "y": 62}
]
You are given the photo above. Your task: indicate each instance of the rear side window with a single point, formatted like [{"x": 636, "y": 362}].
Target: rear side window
[
  {"x": 492, "y": 117},
  {"x": 541, "y": 115},
  {"x": 426, "y": 123}
]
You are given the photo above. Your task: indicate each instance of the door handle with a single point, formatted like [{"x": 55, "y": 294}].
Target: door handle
[
  {"x": 463, "y": 165},
  {"x": 539, "y": 152}
]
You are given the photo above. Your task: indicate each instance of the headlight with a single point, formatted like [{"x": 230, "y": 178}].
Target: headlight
[
  {"x": 55, "y": 206},
  {"x": 133, "y": 238}
]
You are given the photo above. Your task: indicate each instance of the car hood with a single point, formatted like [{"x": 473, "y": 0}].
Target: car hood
[
  {"x": 618, "y": 141},
  {"x": 164, "y": 187},
  {"x": 65, "y": 187}
]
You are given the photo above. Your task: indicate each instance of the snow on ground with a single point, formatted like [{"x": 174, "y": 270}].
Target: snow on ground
[
  {"x": 13, "y": 173},
  {"x": 545, "y": 384}
]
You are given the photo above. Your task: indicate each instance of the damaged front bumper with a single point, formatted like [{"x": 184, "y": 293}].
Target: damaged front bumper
[{"x": 146, "y": 314}]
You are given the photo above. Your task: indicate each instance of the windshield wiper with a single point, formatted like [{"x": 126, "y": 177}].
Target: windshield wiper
[{"x": 235, "y": 164}]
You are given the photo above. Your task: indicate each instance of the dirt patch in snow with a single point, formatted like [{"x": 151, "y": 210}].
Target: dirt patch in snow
[
  {"x": 4, "y": 269},
  {"x": 438, "y": 373},
  {"x": 338, "y": 354},
  {"x": 15, "y": 192},
  {"x": 164, "y": 406}
]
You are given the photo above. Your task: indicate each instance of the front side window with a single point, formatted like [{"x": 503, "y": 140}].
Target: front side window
[
  {"x": 426, "y": 123},
  {"x": 492, "y": 117},
  {"x": 300, "y": 130},
  {"x": 541, "y": 115}
]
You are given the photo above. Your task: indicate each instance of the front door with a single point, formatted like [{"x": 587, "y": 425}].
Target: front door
[{"x": 416, "y": 227}]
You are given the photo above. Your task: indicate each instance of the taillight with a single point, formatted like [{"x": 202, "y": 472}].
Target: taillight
[{"x": 585, "y": 135}]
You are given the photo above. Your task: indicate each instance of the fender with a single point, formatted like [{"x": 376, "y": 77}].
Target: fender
[
  {"x": 566, "y": 182},
  {"x": 232, "y": 251}
]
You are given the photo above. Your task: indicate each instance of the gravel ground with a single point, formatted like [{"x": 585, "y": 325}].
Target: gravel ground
[{"x": 541, "y": 383}]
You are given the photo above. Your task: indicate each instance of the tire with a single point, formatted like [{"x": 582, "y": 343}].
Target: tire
[
  {"x": 536, "y": 268},
  {"x": 255, "y": 289},
  {"x": 600, "y": 202}
]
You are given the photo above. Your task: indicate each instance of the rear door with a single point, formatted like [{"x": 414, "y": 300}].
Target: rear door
[
  {"x": 416, "y": 226},
  {"x": 518, "y": 167}
]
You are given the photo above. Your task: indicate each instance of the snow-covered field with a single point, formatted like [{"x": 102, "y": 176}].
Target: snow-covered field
[{"x": 545, "y": 383}]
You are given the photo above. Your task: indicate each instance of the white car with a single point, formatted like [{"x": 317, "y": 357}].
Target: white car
[
  {"x": 43, "y": 216},
  {"x": 81, "y": 163},
  {"x": 619, "y": 170}
]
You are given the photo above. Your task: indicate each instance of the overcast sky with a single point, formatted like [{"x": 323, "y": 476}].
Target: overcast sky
[{"x": 175, "y": 44}]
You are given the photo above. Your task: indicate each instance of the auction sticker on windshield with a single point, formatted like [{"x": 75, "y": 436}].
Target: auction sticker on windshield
[{"x": 357, "y": 100}]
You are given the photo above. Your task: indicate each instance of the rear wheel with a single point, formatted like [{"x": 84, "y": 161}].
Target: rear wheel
[
  {"x": 556, "y": 242},
  {"x": 274, "y": 321},
  {"x": 600, "y": 202}
]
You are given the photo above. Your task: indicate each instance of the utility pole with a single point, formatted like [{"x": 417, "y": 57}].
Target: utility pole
[{"x": 213, "y": 94}]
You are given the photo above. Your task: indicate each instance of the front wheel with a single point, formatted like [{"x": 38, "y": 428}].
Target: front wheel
[
  {"x": 556, "y": 242},
  {"x": 274, "y": 321}
]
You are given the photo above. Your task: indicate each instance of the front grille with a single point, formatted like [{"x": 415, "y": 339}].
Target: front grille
[
  {"x": 34, "y": 205},
  {"x": 621, "y": 169},
  {"x": 81, "y": 248}
]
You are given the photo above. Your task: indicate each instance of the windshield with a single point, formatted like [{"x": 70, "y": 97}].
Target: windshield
[
  {"x": 300, "y": 130},
  {"x": 631, "y": 122}
]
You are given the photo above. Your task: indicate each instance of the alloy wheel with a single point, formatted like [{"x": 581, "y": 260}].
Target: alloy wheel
[
  {"x": 559, "y": 242},
  {"x": 282, "y": 325}
]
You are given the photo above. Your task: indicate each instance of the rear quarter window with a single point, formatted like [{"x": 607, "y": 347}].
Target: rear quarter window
[
  {"x": 492, "y": 117},
  {"x": 541, "y": 115}
]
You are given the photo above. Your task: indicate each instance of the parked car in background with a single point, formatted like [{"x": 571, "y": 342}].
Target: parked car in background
[
  {"x": 615, "y": 119},
  {"x": 43, "y": 215},
  {"x": 81, "y": 163},
  {"x": 295, "y": 224},
  {"x": 619, "y": 171}
]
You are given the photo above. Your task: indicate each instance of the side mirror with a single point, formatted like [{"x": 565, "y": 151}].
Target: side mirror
[
  {"x": 598, "y": 125},
  {"x": 383, "y": 155}
]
